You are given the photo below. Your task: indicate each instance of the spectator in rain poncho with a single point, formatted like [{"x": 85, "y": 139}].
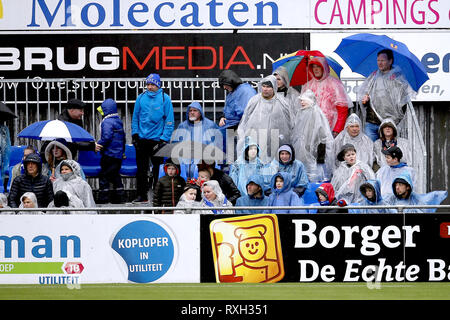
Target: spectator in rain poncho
[
  {"x": 55, "y": 152},
  {"x": 5, "y": 151},
  {"x": 352, "y": 134},
  {"x": 349, "y": 176},
  {"x": 64, "y": 199},
  {"x": 196, "y": 128},
  {"x": 247, "y": 164},
  {"x": 286, "y": 162},
  {"x": 266, "y": 119},
  {"x": 4, "y": 204},
  {"x": 388, "y": 138},
  {"x": 371, "y": 194},
  {"x": 283, "y": 195},
  {"x": 70, "y": 181},
  {"x": 212, "y": 196},
  {"x": 330, "y": 92},
  {"x": 285, "y": 91},
  {"x": 404, "y": 195},
  {"x": 28, "y": 200},
  {"x": 384, "y": 94},
  {"x": 312, "y": 138},
  {"x": 254, "y": 196},
  {"x": 395, "y": 166},
  {"x": 190, "y": 198}
]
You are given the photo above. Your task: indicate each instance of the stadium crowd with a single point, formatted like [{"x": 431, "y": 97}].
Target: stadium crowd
[{"x": 279, "y": 142}]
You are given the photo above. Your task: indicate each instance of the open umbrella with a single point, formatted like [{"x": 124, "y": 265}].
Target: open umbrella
[
  {"x": 296, "y": 64},
  {"x": 191, "y": 150},
  {"x": 360, "y": 51},
  {"x": 55, "y": 129},
  {"x": 6, "y": 113}
]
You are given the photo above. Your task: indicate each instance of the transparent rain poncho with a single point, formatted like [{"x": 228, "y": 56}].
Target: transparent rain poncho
[
  {"x": 219, "y": 201},
  {"x": 387, "y": 174},
  {"x": 347, "y": 180},
  {"x": 310, "y": 128},
  {"x": 288, "y": 93},
  {"x": 330, "y": 92},
  {"x": 266, "y": 121},
  {"x": 388, "y": 93},
  {"x": 362, "y": 143},
  {"x": 31, "y": 196}
]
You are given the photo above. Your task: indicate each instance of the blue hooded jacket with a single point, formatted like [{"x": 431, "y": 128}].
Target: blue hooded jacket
[
  {"x": 250, "y": 201},
  {"x": 112, "y": 132},
  {"x": 375, "y": 184},
  {"x": 153, "y": 117},
  {"x": 430, "y": 198},
  {"x": 284, "y": 196}
]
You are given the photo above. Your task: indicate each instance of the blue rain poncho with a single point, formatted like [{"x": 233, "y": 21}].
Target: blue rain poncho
[
  {"x": 252, "y": 201},
  {"x": 244, "y": 167},
  {"x": 378, "y": 201},
  {"x": 387, "y": 174},
  {"x": 267, "y": 121},
  {"x": 430, "y": 198},
  {"x": 362, "y": 143},
  {"x": 5, "y": 151},
  {"x": 284, "y": 196}
]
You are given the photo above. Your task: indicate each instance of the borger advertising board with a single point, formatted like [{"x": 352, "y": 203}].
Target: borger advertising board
[{"x": 77, "y": 249}]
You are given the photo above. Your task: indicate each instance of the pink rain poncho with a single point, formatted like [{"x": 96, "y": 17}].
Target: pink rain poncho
[{"x": 330, "y": 92}]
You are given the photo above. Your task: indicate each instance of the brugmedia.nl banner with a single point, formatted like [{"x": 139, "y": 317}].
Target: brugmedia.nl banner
[
  {"x": 77, "y": 249},
  {"x": 325, "y": 248}
]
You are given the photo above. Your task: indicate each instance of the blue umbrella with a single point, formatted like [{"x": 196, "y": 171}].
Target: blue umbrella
[
  {"x": 55, "y": 129},
  {"x": 360, "y": 51}
]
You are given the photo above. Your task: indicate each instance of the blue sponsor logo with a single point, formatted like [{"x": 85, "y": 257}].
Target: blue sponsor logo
[{"x": 147, "y": 249}]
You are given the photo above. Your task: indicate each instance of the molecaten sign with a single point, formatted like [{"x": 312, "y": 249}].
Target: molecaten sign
[{"x": 56, "y": 15}]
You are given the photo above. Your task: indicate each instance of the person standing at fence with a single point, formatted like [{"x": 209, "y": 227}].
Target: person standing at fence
[
  {"x": 151, "y": 128},
  {"x": 112, "y": 148},
  {"x": 384, "y": 94},
  {"x": 5, "y": 151}
]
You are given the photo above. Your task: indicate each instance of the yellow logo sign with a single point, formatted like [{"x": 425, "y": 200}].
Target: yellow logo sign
[
  {"x": 394, "y": 46},
  {"x": 247, "y": 249}
]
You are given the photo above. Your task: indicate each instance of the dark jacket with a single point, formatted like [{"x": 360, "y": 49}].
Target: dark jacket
[
  {"x": 75, "y": 146},
  {"x": 112, "y": 133},
  {"x": 227, "y": 185},
  {"x": 40, "y": 185},
  {"x": 168, "y": 190}
]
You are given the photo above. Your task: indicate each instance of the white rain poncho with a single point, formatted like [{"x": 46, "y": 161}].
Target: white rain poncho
[
  {"x": 184, "y": 203},
  {"x": 362, "y": 143},
  {"x": 74, "y": 184},
  {"x": 219, "y": 201},
  {"x": 310, "y": 128},
  {"x": 73, "y": 202},
  {"x": 32, "y": 197},
  {"x": 266, "y": 121},
  {"x": 288, "y": 93},
  {"x": 381, "y": 144},
  {"x": 347, "y": 180},
  {"x": 387, "y": 174},
  {"x": 4, "y": 204},
  {"x": 388, "y": 93},
  {"x": 332, "y": 98}
]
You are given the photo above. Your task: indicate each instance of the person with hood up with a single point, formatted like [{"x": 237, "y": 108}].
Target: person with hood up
[
  {"x": 352, "y": 134},
  {"x": 64, "y": 199},
  {"x": 28, "y": 200},
  {"x": 237, "y": 98},
  {"x": 246, "y": 165},
  {"x": 19, "y": 168},
  {"x": 384, "y": 94},
  {"x": 213, "y": 197},
  {"x": 31, "y": 181},
  {"x": 169, "y": 187},
  {"x": 197, "y": 127},
  {"x": 350, "y": 175},
  {"x": 267, "y": 119},
  {"x": 4, "y": 204},
  {"x": 404, "y": 195},
  {"x": 151, "y": 128},
  {"x": 395, "y": 166},
  {"x": 254, "y": 196},
  {"x": 190, "y": 198},
  {"x": 388, "y": 138},
  {"x": 371, "y": 195},
  {"x": 55, "y": 152},
  {"x": 70, "y": 180},
  {"x": 331, "y": 96},
  {"x": 325, "y": 198},
  {"x": 312, "y": 138},
  {"x": 285, "y": 91},
  {"x": 112, "y": 148},
  {"x": 286, "y": 162},
  {"x": 283, "y": 195}
]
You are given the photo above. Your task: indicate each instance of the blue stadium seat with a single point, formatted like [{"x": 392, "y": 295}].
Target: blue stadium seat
[
  {"x": 89, "y": 162},
  {"x": 310, "y": 195},
  {"x": 129, "y": 167}
]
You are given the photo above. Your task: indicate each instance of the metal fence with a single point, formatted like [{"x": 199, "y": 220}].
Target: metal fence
[{"x": 42, "y": 99}]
